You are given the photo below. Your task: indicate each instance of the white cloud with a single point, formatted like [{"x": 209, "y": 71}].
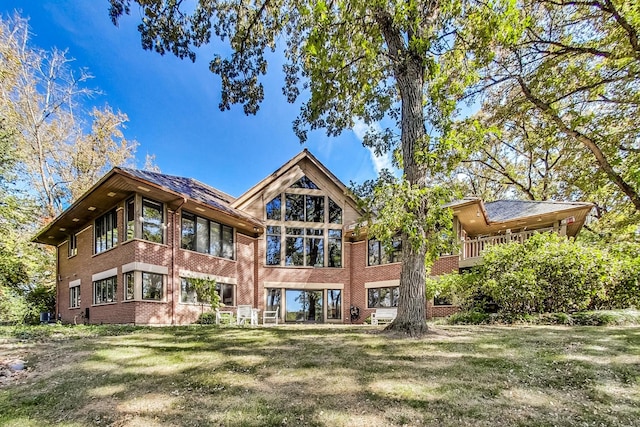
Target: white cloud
[{"x": 379, "y": 162}]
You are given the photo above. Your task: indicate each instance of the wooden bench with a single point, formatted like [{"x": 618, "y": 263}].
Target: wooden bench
[{"x": 383, "y": 315}]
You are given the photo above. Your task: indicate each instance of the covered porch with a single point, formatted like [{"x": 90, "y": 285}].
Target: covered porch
[{"x": 479, "y": 225}]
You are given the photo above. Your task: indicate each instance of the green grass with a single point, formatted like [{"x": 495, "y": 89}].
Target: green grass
[{"x": 323, "y": 376}]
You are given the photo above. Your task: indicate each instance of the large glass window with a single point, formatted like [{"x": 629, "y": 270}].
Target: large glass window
[
  {"x": 188, "y": 292},
  {"x": 335, "y": 248},
  {"x": 206, "y": 236},
  {"x": 152, "y": 286},
  {"x": 273, "y": 245},
  {"x": 106, "y": 232},
  {"x": 314, "y": 208},
  {"x": 317, "y": 241},
  {"x": 274, "y": 209},
  {"x": 74, "y": 296},
  {"x": 379, "y": 254},
  {"x": 294, "y": 207},
  {"x": 104, "y": 291},
  {"x": 152, "y": 220},
  {"x": 334, "y": 304},
  {"x": 304, "y": 182},
  {"x": 274, "y": 297},
  {"x": 294, "y": 246},
  {"x": 188, "y": 231},
  {"x": 226, "y": 293},
  {"x": 303, "y": 306},
  {"x": 383, "y": 297},
  {"x": 314, "y": 247},
  {"x": 130, "y": 218},
  {"x": 335, "y": 213}
]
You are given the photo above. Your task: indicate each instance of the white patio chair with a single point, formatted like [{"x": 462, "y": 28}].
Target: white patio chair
[
  {"x": 244, "y": 313},
  {"x": 272, "y": 316}
]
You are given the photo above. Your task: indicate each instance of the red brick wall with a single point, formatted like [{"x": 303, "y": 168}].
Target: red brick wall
[{"x": 248, "y": 269}]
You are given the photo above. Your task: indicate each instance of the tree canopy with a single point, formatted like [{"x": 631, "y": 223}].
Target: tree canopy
[
  {"x": 53, "y": 147},
  {"x": 399, "y": 63},
  {"x": 560, "y": 111}
]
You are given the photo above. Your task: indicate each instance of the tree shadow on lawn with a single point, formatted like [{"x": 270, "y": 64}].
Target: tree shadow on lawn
[{"x": 320, "y": 377}]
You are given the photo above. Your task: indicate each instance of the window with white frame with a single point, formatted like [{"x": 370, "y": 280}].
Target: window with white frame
[
  {"x": 104, "y": 290},
  {"x": 74, "y": 296}
]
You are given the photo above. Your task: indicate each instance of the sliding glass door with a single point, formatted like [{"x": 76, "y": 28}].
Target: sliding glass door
[{"x": 303, "y": 306}]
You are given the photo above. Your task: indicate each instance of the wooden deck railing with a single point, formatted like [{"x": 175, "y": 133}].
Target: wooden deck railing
[{"x": 472, "y": 248}]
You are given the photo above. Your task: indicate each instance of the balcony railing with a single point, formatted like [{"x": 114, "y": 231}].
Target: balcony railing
[{"x": 472, "y": 248}]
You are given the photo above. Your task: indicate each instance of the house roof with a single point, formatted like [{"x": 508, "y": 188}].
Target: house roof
[
  {"x": 303, "y": 155},
  {"x": 505, "y": 210},
  {"x": 478, "y": 217},
  {"x": 189, "y": 187},
  {"x": 120, "y": 183}
]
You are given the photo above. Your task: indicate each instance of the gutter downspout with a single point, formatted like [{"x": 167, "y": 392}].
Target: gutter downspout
[{"x": 174, "y": 251}]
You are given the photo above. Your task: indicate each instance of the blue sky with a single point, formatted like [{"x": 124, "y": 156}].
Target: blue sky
[{"x": 173, "y": 105}]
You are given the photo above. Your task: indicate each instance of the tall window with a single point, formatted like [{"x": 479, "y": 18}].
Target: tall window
[
  {"x": 379, "y": 254},
  {"x": 152, "y": 286},
  {"x": 104, "y": 291},
  {"x": 106, "y": 232},
  {"x": 335, "y": 248},
  {"x": 130, "y": 218},
  {"x": 206, "y": 236},
  {"x": 303, "y": 229},
  {"x": 274, "y": 296},
  {"x": 129, "y": 285},
  {"x": 73, "y": 245},
  {"x": 334, "y": 304},
  {"x": 74, "y": 296},
  {"x": 383, "y": 297},
  {"x": 273, "y": 245},
  {"x": 152, "y": 220}
]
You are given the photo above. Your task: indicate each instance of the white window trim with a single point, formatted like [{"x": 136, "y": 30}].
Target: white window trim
[
  {"x": 383, "y": 284},
  {"x": 188, "y": 274},
  {"x": 74, "y": 283},
  {"x": 104, "y": 274},
  {"x": 304, "y": 286},
  {"x": 147, "y": 268}
]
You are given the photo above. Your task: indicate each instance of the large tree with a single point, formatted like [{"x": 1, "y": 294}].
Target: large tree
[
  {"x": 564, "y": 100},
  {"x": 52, "y": 148},
  {"x": 403, "y": 63},
  {"x": 62, "y": 147}
]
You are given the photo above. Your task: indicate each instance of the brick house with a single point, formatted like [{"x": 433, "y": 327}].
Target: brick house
[{"x": 129, "y": 249}]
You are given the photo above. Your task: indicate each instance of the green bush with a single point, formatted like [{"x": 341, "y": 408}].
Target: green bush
[
  {"x": 546, "y": 274},
  {"x": 471, "y": 317},
  {"x": 207, "y": 318}
]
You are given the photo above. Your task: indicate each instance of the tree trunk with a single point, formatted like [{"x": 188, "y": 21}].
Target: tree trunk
[{"x": 409, "y": 72}]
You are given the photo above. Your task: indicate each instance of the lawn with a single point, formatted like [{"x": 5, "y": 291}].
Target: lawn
[{"x": 323, "y": 376}]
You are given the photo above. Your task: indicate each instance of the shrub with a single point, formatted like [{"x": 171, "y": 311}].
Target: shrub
[
  {"x": 546, "y": 274},
  {"x": 207, "y": 318},
  {"x": 470, "y": 317}
]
